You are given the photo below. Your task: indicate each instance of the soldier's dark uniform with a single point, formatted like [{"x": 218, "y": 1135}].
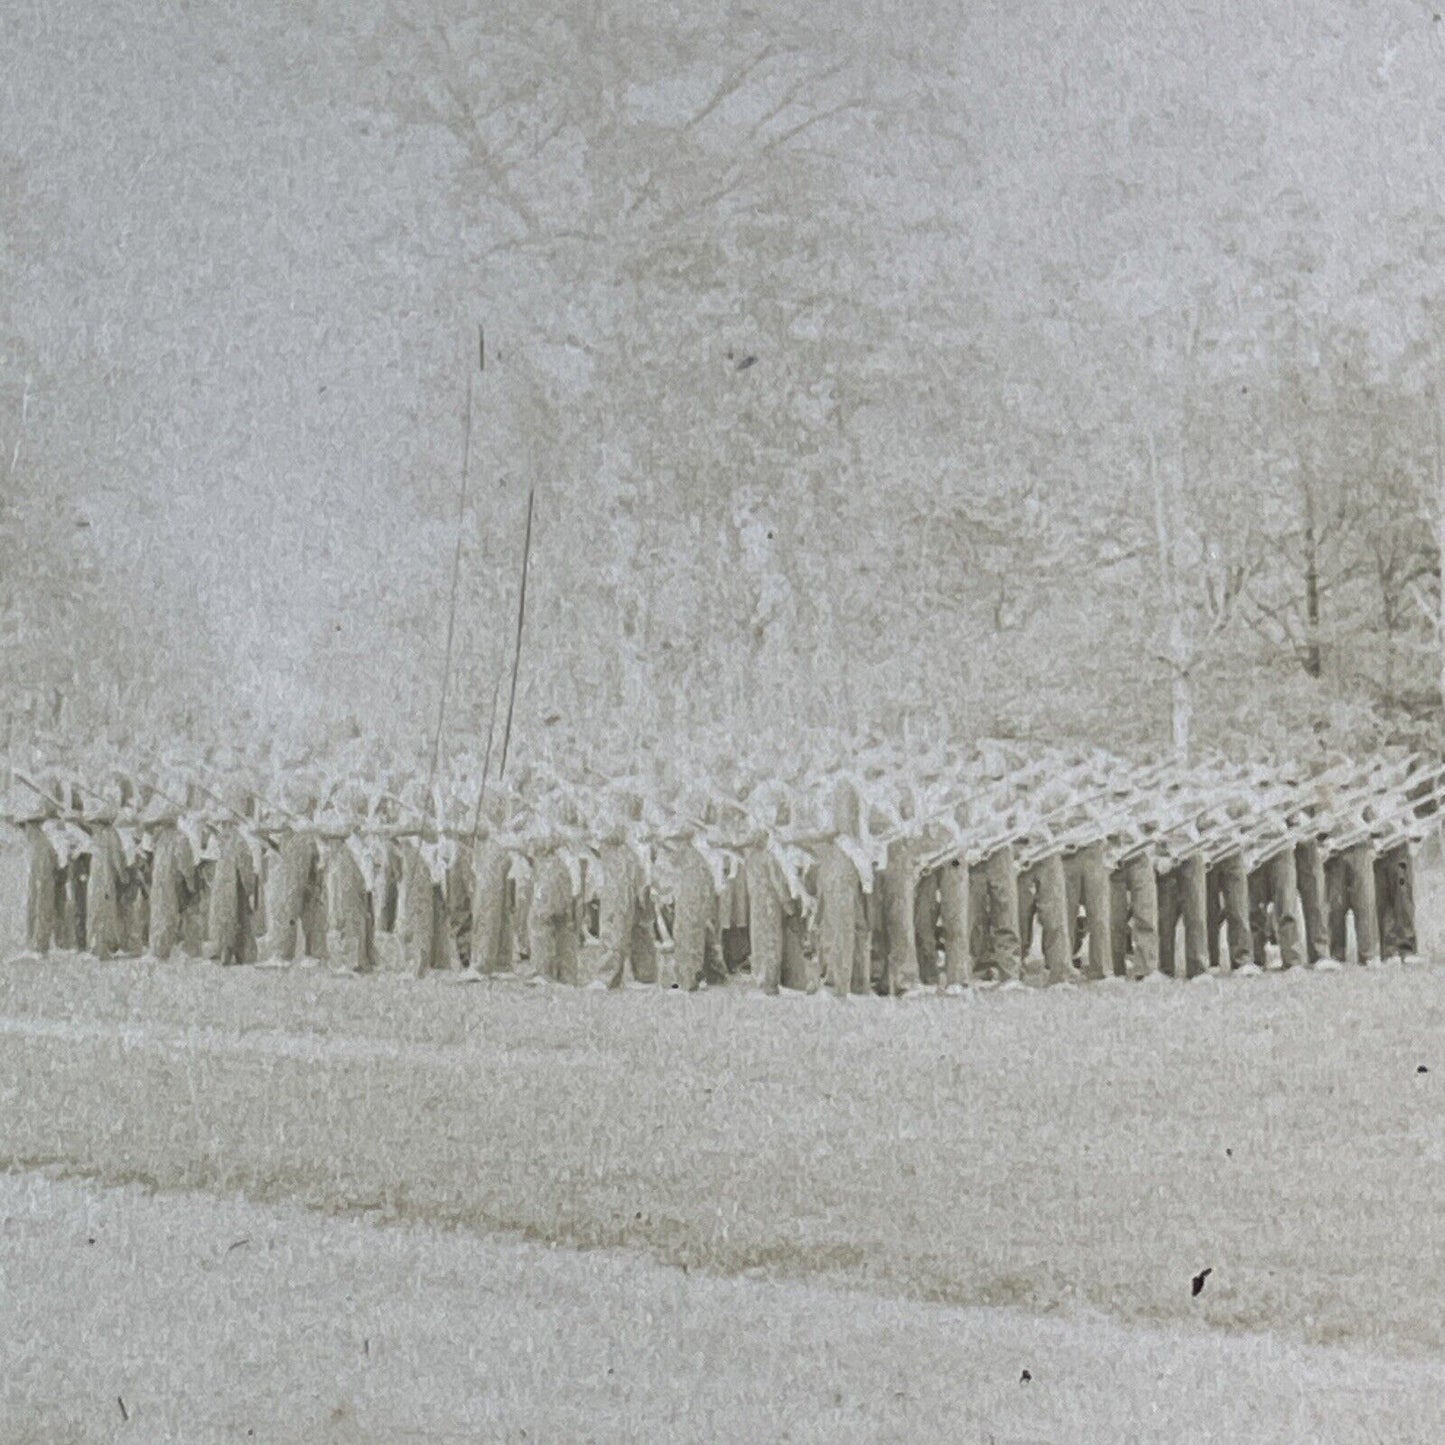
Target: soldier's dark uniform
[
  {"x": 1273, "y": 888},
  {"x": 1395, "y": 900},
  {"x": 1183, "y": 895},
  {"x": 993, "y": 915},
  {"x": 1134, "y": 914},
  {"x": 1350, "y": 891},
  {"x": 1044, "y": 895}
]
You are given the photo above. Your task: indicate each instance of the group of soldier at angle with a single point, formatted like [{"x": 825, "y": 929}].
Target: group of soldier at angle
[{"x": 884, "y": 874}]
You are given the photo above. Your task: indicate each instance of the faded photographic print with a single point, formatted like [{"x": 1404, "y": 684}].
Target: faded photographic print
[{"x": 722, "y": 724}]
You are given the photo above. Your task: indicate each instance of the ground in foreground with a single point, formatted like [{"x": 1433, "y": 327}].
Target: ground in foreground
[{"x": 1069, "y": 1154}]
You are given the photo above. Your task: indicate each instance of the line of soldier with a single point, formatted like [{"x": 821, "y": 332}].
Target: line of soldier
[{"x": 882, "y": 878}]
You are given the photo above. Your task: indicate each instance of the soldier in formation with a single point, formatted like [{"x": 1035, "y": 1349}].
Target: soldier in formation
[{"x": 878, "y": 878}]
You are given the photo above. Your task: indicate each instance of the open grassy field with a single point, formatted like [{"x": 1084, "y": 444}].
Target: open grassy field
[
  {"x": 1053, "y": 1151},
  {"x": 140, "y": 1318}
]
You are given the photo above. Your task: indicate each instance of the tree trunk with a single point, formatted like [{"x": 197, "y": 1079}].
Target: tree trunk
[
  {"x": 1182, "y": 713},
  {"x": 1314, "y": 662},
  {"x": 1440, "y": 549},
  {"x": 1181, "y": 693}
]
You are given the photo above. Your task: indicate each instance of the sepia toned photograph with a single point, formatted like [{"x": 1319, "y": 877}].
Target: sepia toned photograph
[{"x": 722, "y": 724}]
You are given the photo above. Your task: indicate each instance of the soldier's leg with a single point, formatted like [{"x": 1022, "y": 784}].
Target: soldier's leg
[
  {"x": 714, "y": 967},
  {"x": 416, "y": 913},
  {"x": 1074, "y": 902},
  {"x": 569, "y": 951},
  {"x": 866, "y": 909},
  {"x": 689, "y": 938},
  {"x": 800, "y": 965},
  {"x": 494, "y": 927},
  {"x": 978, "y": 931},
  {"x": 925, "y": 927},
  {"x": 521, "y": 918},
  {"x": 1096, "y": 895},
  {"x": 316, "y": 910},
  {"x": 1395, "y": 901},
  {"x": 1143, "y": 912},
  {"x": 1234, "y": 885},
  {"x": 1118, "y": 965},
  {"x": 1028, "y": 888},
  {"x": 1003, "y": 910},
  {"x": 541, "y": 943},
  {"x": 40, "y": 890},
  {"x": 246, "y": 947},
  {"x": 196, "y": 911},
  {"x": 835, "y": 928},
  {"x": 1052, "y": 901},
  {"x": 103, "y": 912},
  {"x": 1309, "y": 870},
  {"x": 166, "y": 897},
  {"x": 1284, "y": 891},
  {"x": 1213, "y": 912},
  {"x": 644, "y": 938},
  {"x": 1259, "y": 900},
  {"x": 1360, "y": 872},
  {"x": 897, "y": 901},
  {"x": 350, "y": 912},
  {"x": 224, "y": 940},
  {"x": 1402, "y": 883},
  {"x": 615, "y": 920},
  {"x": 1337, "y": 905},
  {"x": 65, "y": 889},
  {"x": 287, "y": 872},
  {"x": 953, "y": 918},
  {"x": 1193, "y": 904},
  {"x": 765, "y": 934},
  {"x": 1170, "y": 911},
  {"x": 765, "y": 922},
  {"x": 135, "y": 908}
]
